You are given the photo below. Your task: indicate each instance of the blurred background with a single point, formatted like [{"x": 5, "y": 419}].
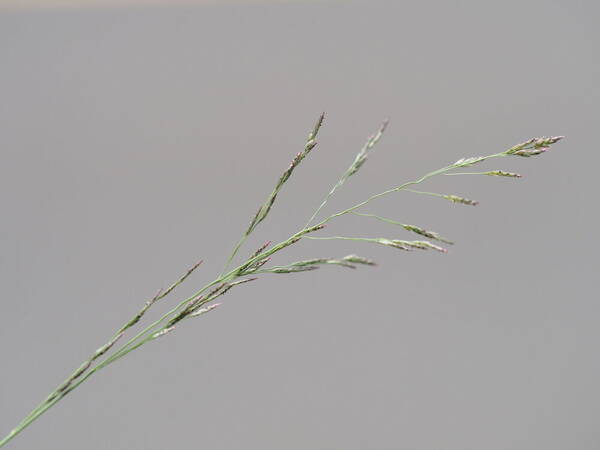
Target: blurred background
[{"x": 136, "y": 139}]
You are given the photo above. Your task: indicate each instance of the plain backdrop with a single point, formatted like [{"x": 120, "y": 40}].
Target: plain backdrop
[{"x": 134, "y": 141}]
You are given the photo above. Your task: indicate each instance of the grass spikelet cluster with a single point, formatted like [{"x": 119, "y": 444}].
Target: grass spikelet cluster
[{"x": 257, "y": 263}]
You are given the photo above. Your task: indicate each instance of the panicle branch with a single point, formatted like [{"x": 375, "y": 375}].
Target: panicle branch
[
  {"x": 395, "y": 243},
  {"x": 348, "y": 261},
  {"x": 359, "y": 160},
  {"x": 533, "y": 146},
  {"x": 412, "y": 228},
  {"x": 159, "y": 295},
  {"x": 265, "y": 208}
]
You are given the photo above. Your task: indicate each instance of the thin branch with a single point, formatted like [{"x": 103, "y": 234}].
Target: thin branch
[
  {"x": 413, "y": 228},
  {"x": 359, "y": 160},
  {"x": 265, "y": 208}
]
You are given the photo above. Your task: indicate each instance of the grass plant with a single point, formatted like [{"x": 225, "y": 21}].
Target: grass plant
[{"x": 257, "y": 263}]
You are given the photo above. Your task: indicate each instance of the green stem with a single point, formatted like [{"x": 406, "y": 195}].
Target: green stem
[
  {"x": 466, "y": 173},
  {"x": 143, "y": 337},
  {"x": 236, "y": 249},
  {"x": 345, "y": 238},
  {"x": 405, "y": 186},
  {"x": 383, "y": 219},
  {"x": 433, "y": 194}
]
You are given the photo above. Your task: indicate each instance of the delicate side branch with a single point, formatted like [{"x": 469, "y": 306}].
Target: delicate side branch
[
  {"x": 359, "y": 160},
  {"x": 265, "y": 208}
]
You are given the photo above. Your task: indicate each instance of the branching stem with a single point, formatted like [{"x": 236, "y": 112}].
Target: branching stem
[{"x": 189, "y": 307}]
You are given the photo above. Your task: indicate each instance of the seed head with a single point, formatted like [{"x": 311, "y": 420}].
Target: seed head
[
  {"x": 242, "y": 281},
  {"x": 359, "y": 260},
  {"x": 533, "y": 152},
  {"x": 261, "y": 248},
  {"x": 293, "y": 269},
  {"x": 546, "y": 141},
  {"x": 313, "y": 229},
  {"x": 361, "y": 157},
  {"x": 520, "y": 146},
  {"x": 533, "y": 146},
  {"x": 163, "y": 332},
  {"x": 457, "y": 199},
  {"x": 426, "y": 233},
  {"x": 500, "y": 173},
  {"x": 425, "y": 245},
  {"x": 465, "y": 162},
  {"x": 205, "y": 310}
]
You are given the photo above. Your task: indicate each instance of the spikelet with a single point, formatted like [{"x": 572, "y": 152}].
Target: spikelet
[
  {"x": 313, "y": 264},
  {"x": 163, "y": 332},
  {"x": 265, "y": 208},
  {"x": 361, "y": 157},
  {"x": 426, "y": 233},
  {"x": 462, "y": 200},
  {"x": 533, "y": 146},
  {"x": 355, "y": 259},
  {"x": 466, "y": 162},
  {"x": 201, "y": 311},
  {"x": 409, "y": 245},
  {"x": 501, "y": 173}
]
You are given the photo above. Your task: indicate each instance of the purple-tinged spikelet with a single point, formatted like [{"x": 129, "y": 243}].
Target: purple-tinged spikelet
[
  {"x": 293, "y": 269},
  {"x": 531, "y": 152},
  {"x": 533, "y": 146},
  {"x": 261, "y": 249},
  {"x": 501, "y": 173},
  {"x": 361, "y": 157},
  {"x": 425, "y": 245},
  {"x": 546, "y": 141},
  {"x": 204, "y": 310},
  {"x": 359, "y": 260},
  {"x": 426, "y": 233},
  {"x": 409, "y": 245},
  {"x": 466, "y": 162},
  {"x": 462, "y": 200},
  {"x": 163, "y": 332}
]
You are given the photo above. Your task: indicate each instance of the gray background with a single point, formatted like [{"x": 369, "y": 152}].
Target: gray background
[{"x": 135, "y": 141}]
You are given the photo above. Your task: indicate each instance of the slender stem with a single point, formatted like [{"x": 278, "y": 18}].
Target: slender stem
[
  {"x": 80, "y": 372},
  {"x": 327, "y": 197},
  {"x": 433, "y": 194},
  {"x": 345, "y": 238},
  {"x": 465, "y": 173},
  {"x": 47, "y": 405},
  {"x": 236, "y": 249},
  {"x": 232, "y": 274},
  {"x": 352, "y": 169},
  {"x": 405, "y": 185},
  {"x": 381, "y": 194},
  {"x": 383, "y": 219},
  {"x": 146, "y": 335}
]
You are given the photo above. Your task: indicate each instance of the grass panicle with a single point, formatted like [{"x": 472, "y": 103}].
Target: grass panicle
[{"x": 203, "y": 300}]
